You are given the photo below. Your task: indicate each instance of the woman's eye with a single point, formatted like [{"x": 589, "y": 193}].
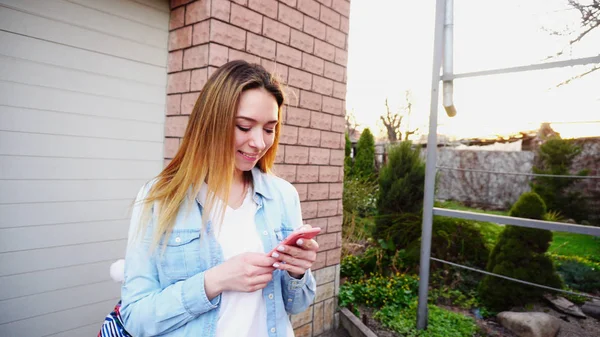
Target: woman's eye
[
  {"x": 243, "y": 129},
  {"x": 269, "y": 130}
]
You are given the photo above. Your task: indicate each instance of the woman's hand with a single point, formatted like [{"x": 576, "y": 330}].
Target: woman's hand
[
  {"x": 297, "y": 259},
  {"x": 246, "y": 272}
]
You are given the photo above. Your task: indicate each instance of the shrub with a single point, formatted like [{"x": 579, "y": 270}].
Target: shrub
[
  {"x": 359, "y": 196},
  {"x": 578, "y": 273},
  {"x": 348, "y": 162},
  {"x": 520, "y": 253},
  {"x": 378, "y": 291},
  {"x": 364, "y": 162},
  {"x": 555, "y": 157}
]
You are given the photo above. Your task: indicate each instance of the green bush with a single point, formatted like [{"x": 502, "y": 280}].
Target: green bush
[
  {"x": 401, "y": 186},
  {"x": 377, "y": 291},
  {"x": 441, "y": 322},
  {"x": 578, "y": 273},
  {"x": 348, "y": 162},
  {"x": 555, "y": 157},
  {"x": 520, "y": 253},
  {"x": 364, "y": 162},
  {"x": 359, "y": 196}
]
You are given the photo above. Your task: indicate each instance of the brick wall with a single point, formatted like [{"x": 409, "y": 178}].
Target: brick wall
[{"x": 305, "y": 43}]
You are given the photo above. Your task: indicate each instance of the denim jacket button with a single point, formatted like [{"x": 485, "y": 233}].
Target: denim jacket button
[
  {"x": 265, "y": 233},
  {"x": 273, "y": 330},
  {"x": 178, "y": 239},
  {"x": 270, "y": 296}
]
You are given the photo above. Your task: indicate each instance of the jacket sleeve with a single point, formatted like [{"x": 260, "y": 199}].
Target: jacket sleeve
[
  {"x": 148, "y": 309},
  {"x": 298, "y": 294}
]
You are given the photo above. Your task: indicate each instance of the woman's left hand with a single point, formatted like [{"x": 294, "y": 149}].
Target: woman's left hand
[{"x": 297, "y": 259}]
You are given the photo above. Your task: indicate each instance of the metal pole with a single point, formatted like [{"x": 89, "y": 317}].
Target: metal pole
[{"x": 430, "y": 168}]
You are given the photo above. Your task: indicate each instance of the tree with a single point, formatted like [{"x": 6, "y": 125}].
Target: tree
[
  {"x": 393, "y": 121},
  {"x": 348, "y": 162},
  {"x": 364, "y": 162},
  {"x": 351, "y": 124}
]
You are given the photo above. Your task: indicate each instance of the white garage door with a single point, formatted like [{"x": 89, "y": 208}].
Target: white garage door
[{"x": 82, "y": 101}]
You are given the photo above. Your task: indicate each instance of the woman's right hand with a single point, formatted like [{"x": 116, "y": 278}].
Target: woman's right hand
[{"x": 246, "y": 272}]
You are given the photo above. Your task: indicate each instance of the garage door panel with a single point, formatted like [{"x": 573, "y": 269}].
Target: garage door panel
[
  {"x": 131, "y": 10},
  {"x": 51, "y": 99},
  {"x": 84, "y": 17},
  {"x": 65, "y": 124},
  {"x": 51, "y": 30},
  {"x": 40, "y": 51}
]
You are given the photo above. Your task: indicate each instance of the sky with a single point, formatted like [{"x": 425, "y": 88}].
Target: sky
[{"x": 390, "y": 51}]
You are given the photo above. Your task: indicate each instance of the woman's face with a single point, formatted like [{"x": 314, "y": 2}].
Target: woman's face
[{"x": 255, "y": 127}]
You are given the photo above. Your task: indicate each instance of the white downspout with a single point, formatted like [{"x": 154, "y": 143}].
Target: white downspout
[{"x": 448, "y": 86}]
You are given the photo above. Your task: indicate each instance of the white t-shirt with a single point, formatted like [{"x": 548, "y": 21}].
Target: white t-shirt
[{"x": 241, "y": 313}]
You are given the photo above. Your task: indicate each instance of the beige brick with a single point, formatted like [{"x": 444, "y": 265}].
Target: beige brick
[
  {"x": 327, "y": 208},
  {"x": 334, "y": 71},
  {"x": 166, "y": 162},
  {"x": 333, "y": 256},
  {"x": 328, "y": 312},
  {"x": 329, "y": 174},
  {"x": 177, "y": 18},
  {"x": 336, "y": 190},
  {"x": 292, "y": 95},
  {"x": 304, "y": 331},
  {"x": 309, "y": 7},
  {"x": 326, "y": 242},
  {"x": 332, "y": 105},
  {"x": 277, "y": 69},
  {"x": 325, "y": 2},
  {"x": 188, "y": 101},
  {"x": 290, "y": 56},
  {"x": 227, "y": 34},
  {"x": 299, "y": 78},
  {"x": 241, "y": 2},
  {"x": 321, "y": 261},
  {"x": 302, "y": 190},
  {"x": 302, "y": 318},
  {"x": 318, "y": 191},
  {"x": 325, "y": 291},
  {"x": 337, "y": 157},
  {"x": 199, "y": 79},
  {"x": 280, "y": 155},
  {"x": 175, "y": 126},
  {"x": 339, "y": 239},
  {"x": 334, "y": 224},
  {"x": 302, "y": 41},
  {"x": 339, "y": 90},
  {"x": 276, "y": 30},
  {"x": 321, "y": 223},
  {"x": 341, "y": 57},
  {"x": 197, "y": 11},
  {"x": 266, "y": 7},
  {"x": 309, "y": 137},
  {"x": 330, "y": 140},
  {"x": 171, "y": 146},
  {"x": 175, "y": 61},
  {"x": 318, "y": 156},
  {"x": 195, "y": 57},
  {"x": 180, "y": 38},
  {"x": 345, "y": 25},
  {"x": 309, "y": 209},
  {"x": 313, "y": 64},
  {"x": 335, "y": 37},
  {"x": 286, "y": 172},
  {"x": 322, "y": 85},
  {"x": 319, "y": 120},
  {"x": 177, "y": 3},
  {"x": 327, "y": 274},
  {"x": 307, "y": 174},
  {"x": 289, "y": 135},
  {"x": 235, "y": 54},
  {"x": 318, "y": 319},
  {"x": 324, "y": 50},
  {"x": 297, "y": 116},
  {"x": 245, "y": 18},
  {"x": 338, "y": 124},
  {"x": 260, "y": 46},
  {"x": 330, "y": 17},
  {"x": 342, "y": 7},
  {"x": 296, "y": 155},
  {"x": 310, "y": 100},
  {"x": 291, "y": 3},
  {"x": 220, "y": 9},
  {"x": 173, "y": 105},
  {"x": 201, "y": 32},
  {"x": 290, "y": 16},
  {"x": 178, "y": 82},
  {"x": 337, "y": 279},
  {"x": 314, "y": 28}
]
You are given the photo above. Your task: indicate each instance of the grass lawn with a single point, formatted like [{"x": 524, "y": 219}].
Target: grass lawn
[{"x": 567, "y": 244}]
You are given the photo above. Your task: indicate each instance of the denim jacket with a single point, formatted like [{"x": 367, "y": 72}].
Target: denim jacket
[{"x": 163, "y": 291}]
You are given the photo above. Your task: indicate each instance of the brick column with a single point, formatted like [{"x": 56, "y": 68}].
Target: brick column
[{"x": 305, "y": 43}]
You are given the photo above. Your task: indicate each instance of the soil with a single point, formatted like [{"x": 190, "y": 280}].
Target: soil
[{"x": 570, "y": 326}]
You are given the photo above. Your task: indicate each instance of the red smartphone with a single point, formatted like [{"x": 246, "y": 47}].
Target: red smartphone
[{"x": 306, "y": 234}]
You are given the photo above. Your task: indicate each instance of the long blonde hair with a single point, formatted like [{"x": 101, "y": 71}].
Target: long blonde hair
[{"x": 207, "y": 151}]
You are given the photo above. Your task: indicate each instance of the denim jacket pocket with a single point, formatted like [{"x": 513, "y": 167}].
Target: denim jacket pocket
[
  {"x": 282, "y": 233},
  {"x": 182, "y": 255}
]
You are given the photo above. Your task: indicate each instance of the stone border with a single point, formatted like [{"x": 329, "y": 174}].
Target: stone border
[{"x": 353, "y": 325}]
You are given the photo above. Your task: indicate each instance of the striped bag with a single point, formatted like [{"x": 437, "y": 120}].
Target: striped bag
[{"x": 113, "y": 326}]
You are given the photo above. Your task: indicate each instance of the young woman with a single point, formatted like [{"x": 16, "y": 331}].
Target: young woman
[{"x": 196, "y": 263}]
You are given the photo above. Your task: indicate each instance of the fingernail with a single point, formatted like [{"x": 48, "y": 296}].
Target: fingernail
[
  {"x": 281, "y": 248},
  {"x": 276, "y": 265},
  {"x": 275, "y": 255},
  {"x": 299, "y": 242}
]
